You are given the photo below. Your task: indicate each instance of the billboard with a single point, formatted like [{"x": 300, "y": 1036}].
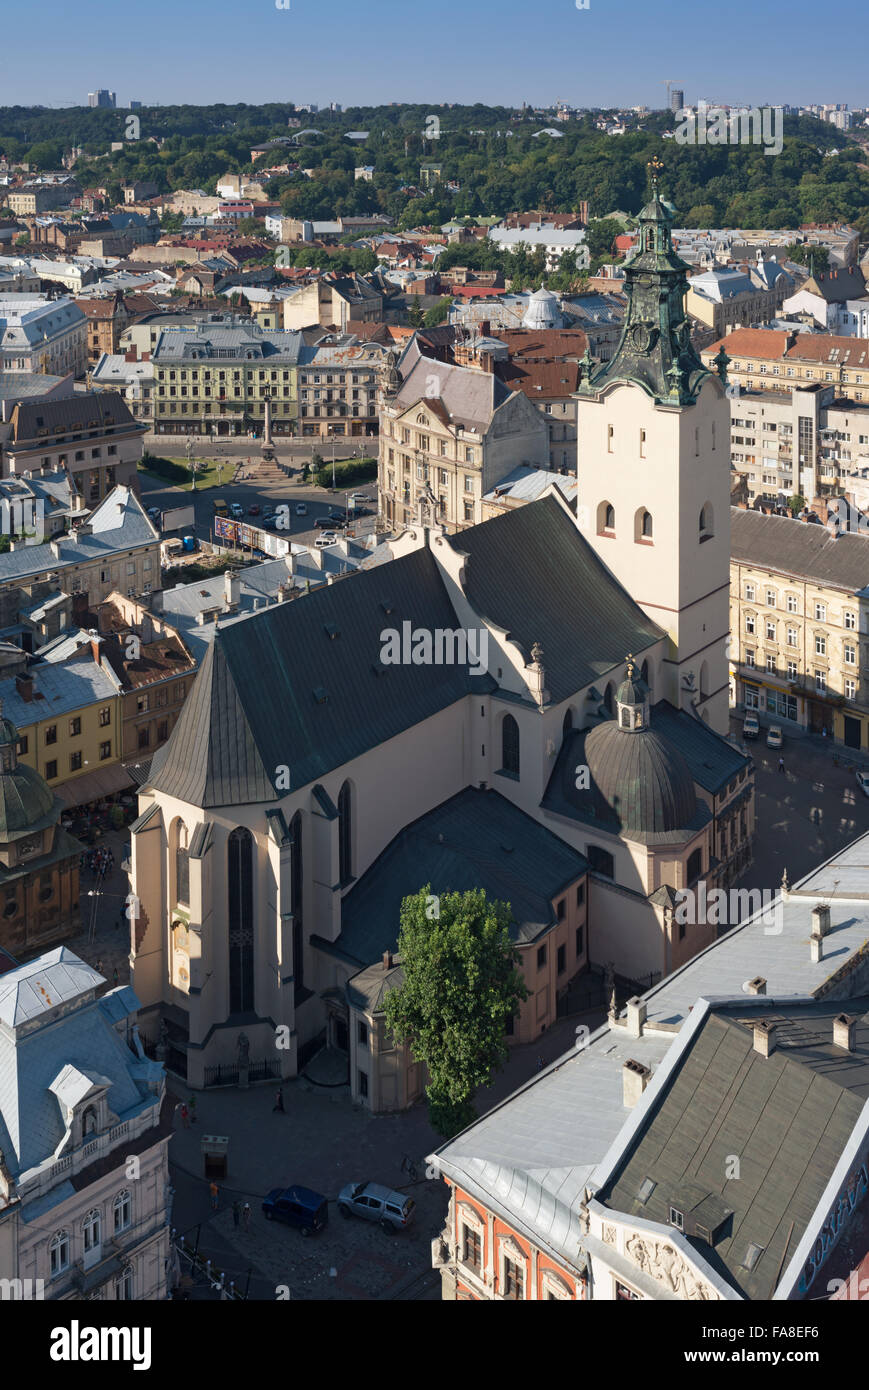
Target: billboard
[
  {"x": 225, "y": 529},
  {"x": 176, "y": 518}
]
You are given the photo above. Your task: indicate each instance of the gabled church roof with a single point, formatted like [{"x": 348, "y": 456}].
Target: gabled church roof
[{"x": 301, "y": 685}]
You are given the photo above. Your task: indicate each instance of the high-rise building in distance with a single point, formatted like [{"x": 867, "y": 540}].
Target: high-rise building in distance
[
  {"x": 101, "y": 98},
  {"x": 677, "y": 99}
]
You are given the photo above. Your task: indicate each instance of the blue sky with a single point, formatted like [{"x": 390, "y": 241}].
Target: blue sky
[{"x": 373, "y": 51}]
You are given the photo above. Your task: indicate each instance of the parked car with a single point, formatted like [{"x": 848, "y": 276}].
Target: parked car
[
  {"x": 220, "y": 507},
  {"x": 375, "y": 1203},
  {"x": 774, "y": 736},
  {"x": 237, "y": 510},
  {"x": 254, "y": 509},
  {"x": 338, "y": 515},
  {"x": 750, "y": 725},
  {"x": 325, "y": 539},
  {"x": 358, "y": 497},
  {"x": 863, "y": 782},
  {"x": 326, "y": 521},
  {"x": 297, "y": 1206},
  {"x": 301, "y": 509}
]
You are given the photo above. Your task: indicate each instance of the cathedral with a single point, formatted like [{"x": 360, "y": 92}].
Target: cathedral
[{"x": 554, "y": 732}]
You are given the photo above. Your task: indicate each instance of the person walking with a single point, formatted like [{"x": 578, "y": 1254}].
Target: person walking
[
  {"x": 246, "y": 1215},
  {"x": 236, "y": 1212},
  {"x": 781, "y": 764},
  {"x": 279, "y": 1102},
  {"x": 115, "y": 977},
  {"x": 185, "y": 1118},
  {"x": 191, "y": 1105},
  {"x": 213, "y": 1189}
]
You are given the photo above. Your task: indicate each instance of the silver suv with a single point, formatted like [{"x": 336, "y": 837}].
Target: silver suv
[{"x": 375, "y": 1203}]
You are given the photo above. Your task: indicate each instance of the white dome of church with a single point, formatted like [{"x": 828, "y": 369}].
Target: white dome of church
[{"x": 543, "y": 311}]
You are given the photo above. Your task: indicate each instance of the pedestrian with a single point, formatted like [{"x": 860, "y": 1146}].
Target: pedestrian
[
  {"x": 781, "y": 764},
  {"x": 212, "y": 1188},
  {"x": 115, "y": 977},
  {"x": 824, "y": 732},
  {"x": 185, "y": 1118},
  {"x": 539, "y": 1063},
  {"x": 246, "y": 1215},
  {"x": 279, "y": 1102},
  {"x": 191, "y": 1104},
  {"x": 236, "y": 1212}
]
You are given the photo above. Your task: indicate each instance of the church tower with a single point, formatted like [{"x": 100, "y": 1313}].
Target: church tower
[{"x": 653, "y": 430}]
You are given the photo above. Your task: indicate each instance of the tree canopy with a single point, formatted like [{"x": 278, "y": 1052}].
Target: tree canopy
[{"x": 461, "y": 984}]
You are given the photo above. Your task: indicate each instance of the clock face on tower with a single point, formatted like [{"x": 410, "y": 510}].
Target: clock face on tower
[
  {"x": 641, "y": 337},
  {"x": 683, "y": 335}
]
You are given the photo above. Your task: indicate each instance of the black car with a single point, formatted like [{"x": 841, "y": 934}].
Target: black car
[
  {"x": 297, "y": 1206},
  {"x": 325, "y": 522},
  {"x": 338, "y": 515}
]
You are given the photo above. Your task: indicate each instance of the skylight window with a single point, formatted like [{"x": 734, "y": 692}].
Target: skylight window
[
  {"x": 752, "y": 1255},
  {"x": 647, "y": 1187}
]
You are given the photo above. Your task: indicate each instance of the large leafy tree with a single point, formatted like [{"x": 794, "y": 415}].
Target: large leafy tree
[{"x": 461, "y": 984}]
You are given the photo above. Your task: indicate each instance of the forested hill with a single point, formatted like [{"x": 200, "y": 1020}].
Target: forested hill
[{"x": 491, "y": 152}]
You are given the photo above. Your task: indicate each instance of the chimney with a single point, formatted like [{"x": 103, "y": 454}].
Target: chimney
[
  {"x": 24, "y": 686},
  {"x": 636, "y": 1016},
  {"x": 821, "y": 920},
  {"x": 757, "y": 985},
  {"x": 764, "y": 1037},
  {"x": 95, "y": 650},
  {"x": 231, "y": 588},
  {"x": 635, "y": 1079},
  {"x": 387, "y": 960},
  {"x": 844, "y": 1032},
  {"x": 485, "y": 328}
]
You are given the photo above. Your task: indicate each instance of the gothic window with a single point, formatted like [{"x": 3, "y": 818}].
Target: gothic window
[
  {"x": 240, "y": 902},
  {"x": 650, "y": 238},
  {"x": 606, "y": 518},
  {"x": 510, "y": 746},
  {"x": 182, "y": 867},
  {"x": 608, "y": 697},
  {"x": 643, "y": 525},
  {"x": 345, "y": 834},
  {"x": 644, "y": 673},
  {"x": 568, "y": 723},
  {"x": 296, "y": 904},
  {"x": 706, "y": 521}
]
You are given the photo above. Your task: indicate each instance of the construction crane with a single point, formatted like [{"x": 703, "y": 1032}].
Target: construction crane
[{"x": 668, "y": 83}]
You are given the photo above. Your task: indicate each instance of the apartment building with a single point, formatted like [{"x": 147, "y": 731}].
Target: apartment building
[
  {"x": 735, "y": 296},
  {"x": 217, "y": 380},
  {"x": 449, "y": 434},
  {"x": 86, "y": 1123},
  {"x": 107, "y": 318},
  {"x": 553, "y": 241},
  {"x": 68, "y": 716},
  {"x": 544, "y": 366},
  {"x": 115, "y": 547},
  {"x": 154, "y": 668},
  {"x": 41, "y": 197},
  {"x": 799, "y": 625},
  {"x": 806, "y": 442},
  {"x": 338, "y": 389},
  {"x": 765, "y": 359},
  {"x": 39, "y": 859},
  {"x": 822, "y": 299},
  {"x": 92, "y": 437},
  {"x": 133, "y": 379},
  {"x": 41, "y": 335}
]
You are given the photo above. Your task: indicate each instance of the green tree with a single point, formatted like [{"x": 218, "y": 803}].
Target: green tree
[
  {"x": 438, "y": 313},
  {"x": 414, "y": 312},
  {"x": 461, "y": 984},
  {"x": 816, "y": 256},
  {"x": 796, "y": 503}
]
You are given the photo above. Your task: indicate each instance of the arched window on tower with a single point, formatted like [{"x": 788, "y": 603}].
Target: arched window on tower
[
  {"x": 345, "y": 833},
  {"x": 606, "y": 519},
  {"x": 296, "y": 898},
  {"x": 706, "y": 524},
  {"x": 510, "y": 746},
  {"x": 643, "y": 525},
  {"x": 644, "y": 672},
  {"x": 608, "y": 697},
  {"x": 567, "y": 724},
  {"x": 240, "y": 906}
]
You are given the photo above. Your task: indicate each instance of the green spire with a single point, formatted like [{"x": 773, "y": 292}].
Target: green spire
[{"x": 655, "y": 349}]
